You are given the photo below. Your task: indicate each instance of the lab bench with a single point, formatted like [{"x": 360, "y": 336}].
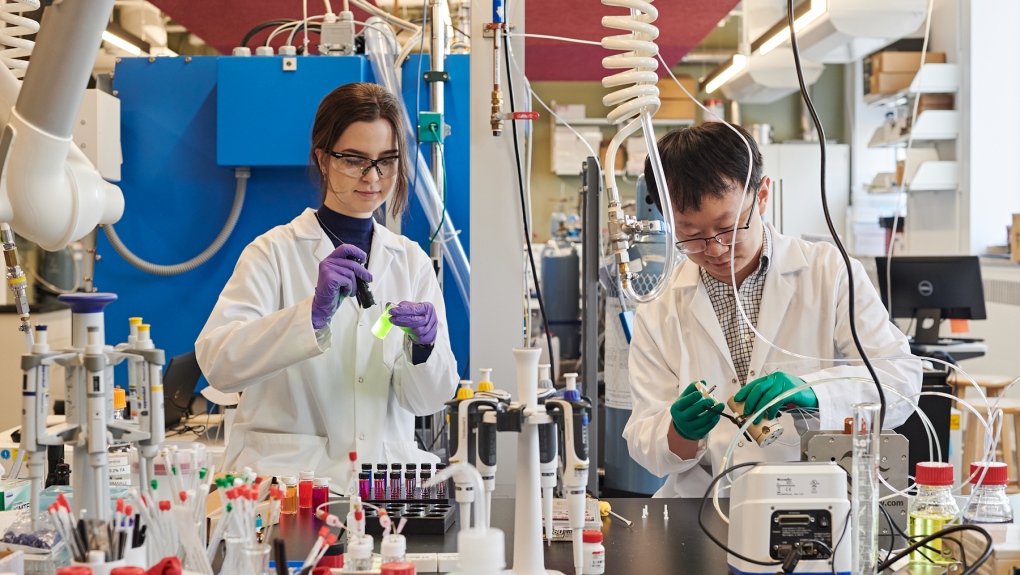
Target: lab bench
[{"x": 651, "y": 546}]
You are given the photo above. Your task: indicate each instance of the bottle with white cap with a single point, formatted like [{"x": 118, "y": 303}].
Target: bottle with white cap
[
  {"x": 359, "y": 553},
  {"x": 393, "y": 548}
]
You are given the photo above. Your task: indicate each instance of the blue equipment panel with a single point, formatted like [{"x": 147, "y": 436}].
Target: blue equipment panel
[
  {"x": 457, "y": 149},
  {"x": 264, "y": 113}
]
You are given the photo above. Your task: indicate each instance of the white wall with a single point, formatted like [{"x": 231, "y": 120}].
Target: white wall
[
  {"x": 991, "y": 118},
  {"x": 496, "y": 230}
]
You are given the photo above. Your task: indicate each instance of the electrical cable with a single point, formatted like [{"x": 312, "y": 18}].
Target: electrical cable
[
  {"x": 524, "y": 203},
  {"x": 701, "y": 516},
  {"x": 260, "y": 27},
  {"x": 940, "y": 535},
  {"x": 841, "y": 535},
  {"x": 851, "y": 296},
  {"x": 442, "y": 157}
]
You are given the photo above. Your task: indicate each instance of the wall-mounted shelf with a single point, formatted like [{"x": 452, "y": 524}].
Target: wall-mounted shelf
[
  {"x": 930, "y": 79},
  {"x": 935, "y": 177},
  {"x": 932, "y": 125}
]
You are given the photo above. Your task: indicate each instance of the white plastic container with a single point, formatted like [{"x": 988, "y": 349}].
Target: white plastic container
[{"x": 594, "y": 553}]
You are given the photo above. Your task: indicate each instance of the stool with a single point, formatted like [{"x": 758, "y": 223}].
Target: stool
[{"x": 992, "y": 385}]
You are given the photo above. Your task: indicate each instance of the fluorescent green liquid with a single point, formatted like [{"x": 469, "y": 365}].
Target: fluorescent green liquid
[
  {"x": 920, "y": 526},
  {"x": 383, "y": 325}
]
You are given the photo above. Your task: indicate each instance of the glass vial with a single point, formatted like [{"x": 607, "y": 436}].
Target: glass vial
[
  {"x": 320, "y": 490},
  {"x": 989, "y": 503},
  {"x": 396, "y": 481},
  {"x": 290, "y": 502},
  {"x": 379, "y": 482},
  {"x": 410, "y": 485},
  {"x": 931, "y": 510},
  {"x": 305, "y": 489},
  {"x": 441, "y": 487},
  {"x": 426, "y": 492}
]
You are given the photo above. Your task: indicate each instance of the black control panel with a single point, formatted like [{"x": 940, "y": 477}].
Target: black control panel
[{"x": 807, "y": 531}]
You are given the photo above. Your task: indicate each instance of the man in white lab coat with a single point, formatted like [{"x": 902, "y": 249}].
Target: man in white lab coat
[{"x": 794, "y": 292}]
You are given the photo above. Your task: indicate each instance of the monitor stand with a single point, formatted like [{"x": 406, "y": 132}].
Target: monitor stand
[{"x": 927, "y": 330}]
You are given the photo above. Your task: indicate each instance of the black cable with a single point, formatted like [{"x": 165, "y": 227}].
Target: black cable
[
  {"x": 828, "y": 218},
  {"x": 701, "y": 522},
  {"x": 941, "y": 534},
  {"x": 260, "y": 27},
  {"x": 524, "y": 208},
  {"x": 893, "y": 529}
]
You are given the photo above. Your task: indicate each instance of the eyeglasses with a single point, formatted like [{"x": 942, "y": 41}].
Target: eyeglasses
[
  {"x": 729, "y": 238},
  {"x": 357, "y": 166}
]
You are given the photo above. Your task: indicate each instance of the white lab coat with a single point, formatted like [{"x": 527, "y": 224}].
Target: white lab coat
[
  {"x": 309, "y": 400},
  {"x": 677, "y": 340}
]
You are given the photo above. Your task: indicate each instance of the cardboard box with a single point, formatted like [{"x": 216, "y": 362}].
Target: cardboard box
[
  {"x": 603, "y": 148},
  {"x": 16, "y": 494},
  {"x": 561, "y": 527},
  {"x": 935, "y": 102},
  {"x": 677, "y": 109},
  {"x": 668, "y": 90},
  {"x": 903, "y": 62},
  {"x": 890, "y": 82},
  {"x": 1014, "y": 239}
]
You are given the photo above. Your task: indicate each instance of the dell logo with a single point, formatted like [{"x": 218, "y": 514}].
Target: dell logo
[{"x": 925, "y": 288}]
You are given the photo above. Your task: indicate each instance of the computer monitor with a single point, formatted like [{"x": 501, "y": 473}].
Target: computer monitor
[
  {"x": 931, "y": 289},
  {"x": 179, "y": 383}
]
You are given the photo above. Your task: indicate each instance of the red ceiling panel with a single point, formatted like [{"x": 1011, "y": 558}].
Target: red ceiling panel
[{"x": 682, "y": 25}]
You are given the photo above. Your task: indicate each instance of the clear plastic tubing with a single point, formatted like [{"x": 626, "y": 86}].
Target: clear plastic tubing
[{"x": 865, "y": 487}]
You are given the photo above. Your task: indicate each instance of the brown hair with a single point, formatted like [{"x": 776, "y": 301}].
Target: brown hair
[{"x": 360, "y": 102}]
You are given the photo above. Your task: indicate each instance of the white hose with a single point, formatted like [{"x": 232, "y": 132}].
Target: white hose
[
  {"x": 15, "y": 27},
  {"x": 175, "y": 269},
  {"x": 635, "y": 103}
]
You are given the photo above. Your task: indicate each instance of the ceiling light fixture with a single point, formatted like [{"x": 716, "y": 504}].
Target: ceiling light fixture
[
  {"x": 725, "y": 72},
  {"x": 805, "y": 13}
]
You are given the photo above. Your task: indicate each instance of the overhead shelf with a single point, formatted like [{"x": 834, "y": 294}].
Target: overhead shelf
[
  {"x": 935, "y": 177},
  {"x": 930, "y": 79},
  {"x": 932, "y": 125}
]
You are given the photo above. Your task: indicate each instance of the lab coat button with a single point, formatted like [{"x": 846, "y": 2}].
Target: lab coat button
[
  {"x": 734, "y": 380},
  {"x": 362, "y": 437},
  {"x": 751, "y": 373},
  {"x": 361, "y": 380}
]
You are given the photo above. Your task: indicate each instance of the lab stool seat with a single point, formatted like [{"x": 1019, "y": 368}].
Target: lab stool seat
[{"x": 993, "y": 386}]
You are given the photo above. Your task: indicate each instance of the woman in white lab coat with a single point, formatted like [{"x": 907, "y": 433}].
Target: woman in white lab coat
[
  {"x": 289, "y": 333},
  {"x": 678, "y": 338}
]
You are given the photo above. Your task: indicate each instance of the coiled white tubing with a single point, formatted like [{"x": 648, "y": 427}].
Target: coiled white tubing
[
  {"x": 637, "y": 61},
  {"x": 16, "y": 26}
]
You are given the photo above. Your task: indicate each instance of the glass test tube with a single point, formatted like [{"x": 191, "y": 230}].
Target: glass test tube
[
  {"x": 396, "y": 482},
  {"x": 379, "y": 482},
  {"x": 865, "y": 487},
  {"x": 410, "y": 485}
]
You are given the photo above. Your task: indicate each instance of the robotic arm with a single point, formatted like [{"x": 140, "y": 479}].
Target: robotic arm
[{"x": 49, "y": 192}]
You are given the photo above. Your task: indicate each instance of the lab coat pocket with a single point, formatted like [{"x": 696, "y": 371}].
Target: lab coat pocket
[
  {"x": 281, "y": 453},
  {"x": 407, "y": 452},
  {"x": 392, "y": 347}
]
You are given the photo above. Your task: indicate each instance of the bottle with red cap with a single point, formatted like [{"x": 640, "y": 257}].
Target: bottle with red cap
[
  {"x": 931, "y": 510},
  {"x": 397, "y": 568},
  {"x": 989, "y": 503},
  {"x": 594, "y": 553}
]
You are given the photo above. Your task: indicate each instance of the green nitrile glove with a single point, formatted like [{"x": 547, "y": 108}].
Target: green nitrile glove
[
  {"x": 693, "y": 414},
  {"x": 764, "y": 389}
]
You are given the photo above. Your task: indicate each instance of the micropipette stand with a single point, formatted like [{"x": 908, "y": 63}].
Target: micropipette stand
[
  {"x": 528, "y": 555},
  {"x": 89, "y": 404}
]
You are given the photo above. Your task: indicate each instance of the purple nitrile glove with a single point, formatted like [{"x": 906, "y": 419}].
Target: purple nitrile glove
[
  {"x": 418, "y": 320},
  {"x": 337, "y": 276}
]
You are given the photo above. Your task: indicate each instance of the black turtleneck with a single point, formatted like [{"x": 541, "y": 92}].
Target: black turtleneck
[{"x": 343, "y": 229}]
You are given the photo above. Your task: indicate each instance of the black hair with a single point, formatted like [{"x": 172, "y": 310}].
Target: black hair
[{"x": 698, "y": 161}]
